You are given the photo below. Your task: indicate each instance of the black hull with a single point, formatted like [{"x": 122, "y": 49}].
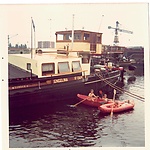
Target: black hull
[{"x": 56, "y": 92}]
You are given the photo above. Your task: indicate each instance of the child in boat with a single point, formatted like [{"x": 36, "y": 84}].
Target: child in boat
[
  {"x": 103, "y": 100},
  {"x": 127, "y": 101},
  {"x": 101, "y": 94},
  {"x": 92, "y": 95},
  {"x": 116, "y": 105},
  {"x": 105, "y": 97}
]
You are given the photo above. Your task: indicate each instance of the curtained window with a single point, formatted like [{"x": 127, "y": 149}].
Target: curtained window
[
  {"x": 76, "y": 66},
  {"x": 48, "y": 68},
  {"x": 63, "y": 67}
]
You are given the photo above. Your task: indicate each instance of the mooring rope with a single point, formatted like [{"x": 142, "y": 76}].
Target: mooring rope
[{"x": 120, "y": 89}]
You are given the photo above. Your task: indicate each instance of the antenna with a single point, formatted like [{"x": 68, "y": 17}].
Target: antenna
[
  {"x": 100, "y": 23},
  {"x": 50, "y": 28}
]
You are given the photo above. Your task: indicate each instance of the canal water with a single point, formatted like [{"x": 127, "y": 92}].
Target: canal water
[{"x": 63, "y": 126}]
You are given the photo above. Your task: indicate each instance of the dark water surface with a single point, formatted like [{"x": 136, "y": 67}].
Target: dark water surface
[{"x": 63, "y": 126}]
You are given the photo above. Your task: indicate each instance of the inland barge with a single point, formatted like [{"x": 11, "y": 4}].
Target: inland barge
[{"x": 52, "y": 76}]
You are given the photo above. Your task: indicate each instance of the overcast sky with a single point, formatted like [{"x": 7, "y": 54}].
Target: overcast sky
[{"x": 91, "y": 17}]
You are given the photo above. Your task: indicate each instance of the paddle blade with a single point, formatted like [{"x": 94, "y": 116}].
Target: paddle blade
[
  {"x": 111, "y": 114},
  {"x": 72, "y": 106},
  {"x": 78, "y": 103},
  {"x": 114, "y": 92}
]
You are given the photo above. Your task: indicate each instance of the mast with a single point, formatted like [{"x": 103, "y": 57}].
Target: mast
[
  {"x": 72, "y": 32},
  {"x": 31, "y": 39},
  {"x": 34, "y": 42},
  {"x": 32, "y": 27}
]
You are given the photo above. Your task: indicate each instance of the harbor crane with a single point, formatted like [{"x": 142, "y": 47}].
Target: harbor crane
[{"x": 116, "y": 39}]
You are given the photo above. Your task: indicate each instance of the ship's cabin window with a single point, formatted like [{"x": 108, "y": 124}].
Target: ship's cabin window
[
  {"x": 98, "y": 39},
  {"x": 86, "y": 37},
  {"x": 47, "y": 69},
  {"x": 68, "y": 36},
  {"x": 60, "y": 37},
  {"x": 77, "y": 36},
  {"x": 76, "y": 66},
  {"x": 63, "y": 67},
  {"x": 85, "y": 59},
  {"x": 28, "y": 66}
]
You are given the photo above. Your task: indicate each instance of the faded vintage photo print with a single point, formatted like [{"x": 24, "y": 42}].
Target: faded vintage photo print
[{"x": 74, "y": 75}]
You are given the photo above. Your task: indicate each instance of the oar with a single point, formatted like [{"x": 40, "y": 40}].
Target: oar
[
  {"x": 111, "y": 114},
  {"x": 78, "y": 103}
]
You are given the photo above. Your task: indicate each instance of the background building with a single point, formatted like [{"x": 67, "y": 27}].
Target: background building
[{"x": 46, "y": 44}]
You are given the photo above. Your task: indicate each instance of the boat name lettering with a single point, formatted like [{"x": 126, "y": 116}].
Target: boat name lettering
[
  {"x": 60, "y": 80},
  {"x": 20, "y": 86},
  {"x": 77, "y": 77}
]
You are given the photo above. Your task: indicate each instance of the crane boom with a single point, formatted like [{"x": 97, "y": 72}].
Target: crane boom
[
  {"x": 116, "y": 39},
  {"x": 122, "y": 30},
  {"x": 109, "y": 27}
]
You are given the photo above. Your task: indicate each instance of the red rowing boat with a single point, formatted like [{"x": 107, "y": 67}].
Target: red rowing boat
[
  {"x": 95, "y": 102},
  {"x": 120, "y": 107}
]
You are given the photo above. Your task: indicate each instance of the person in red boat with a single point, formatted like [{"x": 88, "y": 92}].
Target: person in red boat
[
  {"x": 91, "y": 94},
  {"x": 101, "y": 94},
  {"x": 102, "y": 98},
  {"x": 116, "y": 105},
  {"x": 105, "y": 97}
]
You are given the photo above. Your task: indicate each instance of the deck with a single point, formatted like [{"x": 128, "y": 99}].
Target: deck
[{"x": 16, "y": 73}]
